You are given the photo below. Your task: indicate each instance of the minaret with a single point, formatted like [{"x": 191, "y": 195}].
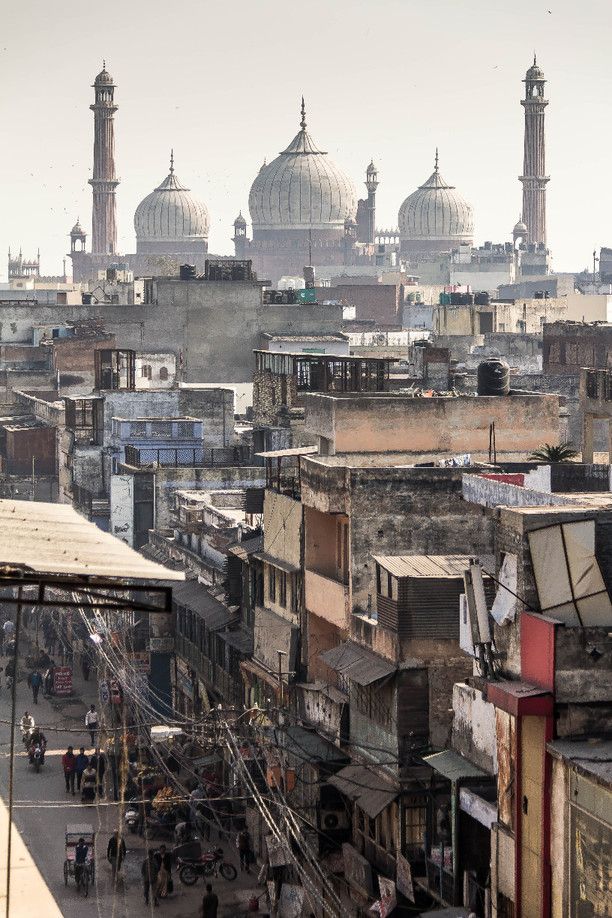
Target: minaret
[
  {"x": 534, "y": 176},
  {"x": 104, "y": 181},
  {"x": 371, "y": 185}
]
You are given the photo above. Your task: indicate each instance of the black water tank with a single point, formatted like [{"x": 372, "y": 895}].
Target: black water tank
[{"x": 493, "y": 377}]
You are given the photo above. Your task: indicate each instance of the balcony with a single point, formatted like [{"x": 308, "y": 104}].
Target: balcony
[
  {"x": 187, "y": 457},
  {"x": 327, "y": 598}
]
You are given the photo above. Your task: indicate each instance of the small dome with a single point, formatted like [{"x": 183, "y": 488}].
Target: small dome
[
  {"x": 171, "y": 214},
  {"x": 77, "y": 229},
  {"x": 240, "y": 221},
  {"x": 520, "y": 228},
  {"x": 104, "y": 77},
  {"x": 436, "y": 211},
  {"x": 534, "y": 72},
  {"x": 302, "y": 189}
]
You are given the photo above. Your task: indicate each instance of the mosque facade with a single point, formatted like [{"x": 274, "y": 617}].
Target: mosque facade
[{"x": 304, "y": 210}]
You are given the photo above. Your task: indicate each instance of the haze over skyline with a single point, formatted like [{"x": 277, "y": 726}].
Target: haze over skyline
[{"x": 388, "y": 81}]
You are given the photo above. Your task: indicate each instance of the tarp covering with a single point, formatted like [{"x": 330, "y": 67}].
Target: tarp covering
[{"x": 568, "y": 579}]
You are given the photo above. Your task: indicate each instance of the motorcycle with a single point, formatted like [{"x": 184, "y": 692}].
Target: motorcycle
[
  {"x": 37, "y": 756},
  {"x": 133, "y": 815},
  {"x": 211, "y": 863}
]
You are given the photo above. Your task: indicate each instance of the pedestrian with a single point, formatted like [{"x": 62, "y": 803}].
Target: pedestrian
[
  {"x": 91, "y": 723},
  {"x": 115, "y": 853},
  {"x": 100, "y": 770},
  {"x": 210, "y": 903},
  {"x": 69, "y": 766},
  {"x": 244, "y": 849},
  {"x": 36, "y": 681},
  {"x": 80, "y": 766},
  {"x": 163, "y": 859},
  {"x": 88, "y": 788},
  {"x": 149, "y": 878},
  {"x": 8, "y": 629}
]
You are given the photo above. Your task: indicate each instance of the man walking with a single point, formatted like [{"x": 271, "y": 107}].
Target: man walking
[
  {"x": 36, "y": 680},
  {"x": 91, "y": 723},
  {"x": 8, "y": 630},
  {"x": 210, "y": 903},
  {"x": 149, "y": 878},
  {"x": 80, "y": 766},
  {"x": 244, "y": 849},
  {"x": 115, "y": 853},
  {"x": 69, "y": 766}
]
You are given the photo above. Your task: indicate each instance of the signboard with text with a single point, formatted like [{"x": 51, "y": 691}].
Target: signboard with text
[{"x": 62, "y": 681}]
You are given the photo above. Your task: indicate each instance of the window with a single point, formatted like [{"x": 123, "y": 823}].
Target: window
[
  {"x": 415, "y": 825},
  {"x": 282, "y": 589},
  {"x": 272, "y": 583},
  {"x": 145, "y": 371},
  {"x": 163, "y": 373}
]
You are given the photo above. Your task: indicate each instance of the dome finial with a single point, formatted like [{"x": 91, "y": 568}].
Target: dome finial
[
  {"x": 436, "y": 162},
  {"x": 303, "y": 121},
  {"x": 172, "y": 162},
  {"x": 534, "y": 58},
  {"x": 103, "y": 64}
]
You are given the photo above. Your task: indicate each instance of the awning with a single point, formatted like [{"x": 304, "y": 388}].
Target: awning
[
  {"x": 358, "y": 664},
  {"x": 293, "y": 451},
  {"x": 196, "y": 597},
  {"x": 240, "y": 640},
  {"x": 454, "y": 766},
  {"x": 364, "y": 785},
  {"x": 275, "y": 562},
  {"x": 251, "y": 666}
]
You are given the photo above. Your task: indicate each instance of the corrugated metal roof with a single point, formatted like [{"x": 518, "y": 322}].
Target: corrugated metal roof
[
  {"x": 195, "y": 596},
  {"x": 54, "y": 539},
  {"x": 294, "y": 451},
  {"x": 275, "y": 562},
  {"x": 365, "y": 785},
  {"x": 454, "y": 766},
  {"x": 308, "y": 745},
  {"x": 358, "y": 664},
  {"x": 434, "y": 566},
  {"x": 247, "y": 547},
  {"x": 593, "y": 759},
  {"x": 240, "y": 640}
]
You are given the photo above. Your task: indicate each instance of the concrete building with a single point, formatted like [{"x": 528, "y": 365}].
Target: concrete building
[{"x": 425, "y": 430}]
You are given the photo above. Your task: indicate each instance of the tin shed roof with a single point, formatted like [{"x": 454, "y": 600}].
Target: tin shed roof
[
  {"x": 358, "y": 664},
  {"x": 54, "y": 540}
]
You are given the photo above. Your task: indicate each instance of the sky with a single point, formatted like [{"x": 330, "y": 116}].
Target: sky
[{"x": 388, "y": 79}]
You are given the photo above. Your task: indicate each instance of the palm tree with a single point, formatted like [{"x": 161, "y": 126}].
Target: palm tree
[{"x": 564, "y": 452}]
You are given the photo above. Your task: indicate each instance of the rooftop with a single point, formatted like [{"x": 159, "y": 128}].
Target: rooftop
[
  {"x": 53, "y": 539},
  {"x": 433, "y": 566}
]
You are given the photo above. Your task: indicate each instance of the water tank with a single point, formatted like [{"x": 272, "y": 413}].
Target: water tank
[{"x": 493, "y": 377}]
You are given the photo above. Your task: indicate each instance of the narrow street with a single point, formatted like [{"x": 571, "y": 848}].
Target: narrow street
[{"x": 43, "y": 808}]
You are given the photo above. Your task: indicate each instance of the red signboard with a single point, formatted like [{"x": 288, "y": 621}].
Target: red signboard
[{"x": 62, "y": 680}]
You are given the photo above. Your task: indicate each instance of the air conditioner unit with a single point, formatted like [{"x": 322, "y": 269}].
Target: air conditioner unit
[{"x": 333, "y": 820}]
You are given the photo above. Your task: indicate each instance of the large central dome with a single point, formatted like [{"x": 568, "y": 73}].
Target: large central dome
[
  {"x": 436, "y": 212},
  {"x": 170, "y": 214},
  {"x": 301, "y": 189}
]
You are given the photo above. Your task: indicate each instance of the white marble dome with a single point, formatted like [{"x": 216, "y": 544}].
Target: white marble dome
[
  {"x": 171, "y": 214},
  {"x": 301, "y": 189},
  {"x": 436, "y": 211}
]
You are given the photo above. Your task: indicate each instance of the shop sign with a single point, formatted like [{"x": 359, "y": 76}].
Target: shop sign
[
  {"x": 404, "y": 877},
  {"x": 62, "y": 681},
  {"x": 104, "y": 692},
  {"x": 186, "y": 685},
  {"x": 140, "y": 661}
]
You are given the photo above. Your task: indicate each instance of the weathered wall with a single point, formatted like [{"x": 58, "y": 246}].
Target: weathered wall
[
  {"x": 214, "y": 326},
  {"x": 283, "y": 528},
  {"x": 559, "y": 833},
  {"x": 168, "y": 480},
  {"x": 122, "y": 508},
  {"x": 474, "y": 727},
  {"x": 272, "y": 633},
  {"x": 434, "y": 425},
  {"x": 409, "y": 511}
]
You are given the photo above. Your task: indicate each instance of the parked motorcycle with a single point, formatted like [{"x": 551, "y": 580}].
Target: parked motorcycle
[{"x": 211, "y": 863}]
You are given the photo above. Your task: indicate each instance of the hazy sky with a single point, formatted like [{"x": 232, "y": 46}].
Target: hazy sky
[{"x": 221, "y": 83}]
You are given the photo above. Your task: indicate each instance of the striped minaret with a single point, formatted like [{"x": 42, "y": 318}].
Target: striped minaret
[
  {"x": 104, "y": 182},
  {"x": 534, "y": 176}
]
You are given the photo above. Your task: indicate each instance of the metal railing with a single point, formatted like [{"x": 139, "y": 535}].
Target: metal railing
[{"x": 187, "y": 457}]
